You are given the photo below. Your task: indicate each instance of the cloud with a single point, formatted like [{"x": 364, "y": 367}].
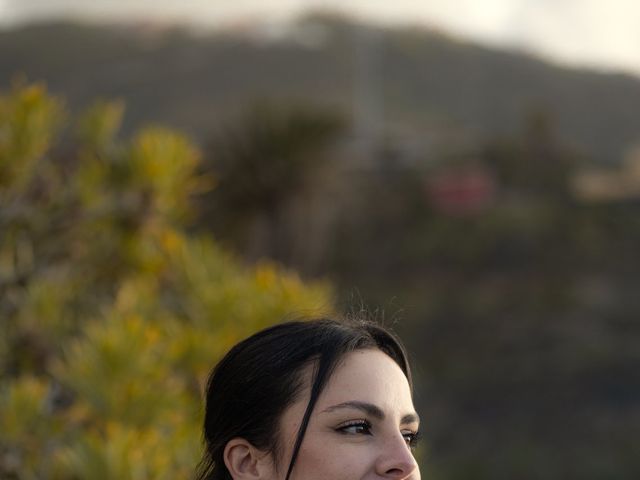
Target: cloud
[{"x": 590, "y": 32}]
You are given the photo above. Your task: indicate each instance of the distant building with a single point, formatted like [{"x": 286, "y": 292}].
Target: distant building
[
  {"x": 461, "y": 190},
  {"x": 610, "y": 185}
]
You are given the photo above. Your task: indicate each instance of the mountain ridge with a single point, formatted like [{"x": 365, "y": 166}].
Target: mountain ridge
[{"x": 422, "y": 80}]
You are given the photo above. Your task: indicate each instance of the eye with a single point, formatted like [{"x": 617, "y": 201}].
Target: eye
[
  {"x": 411, "y": 438},
  {"x": 355, "y": 427}
]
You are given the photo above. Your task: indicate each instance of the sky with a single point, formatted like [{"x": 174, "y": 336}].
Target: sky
[{"x": 601, "y": 34}]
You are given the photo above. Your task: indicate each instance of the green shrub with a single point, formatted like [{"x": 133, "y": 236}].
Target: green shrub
[{"x": 111, "y": 313}]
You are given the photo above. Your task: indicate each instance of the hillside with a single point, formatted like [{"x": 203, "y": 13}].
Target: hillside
[{"x": 424, "y": 82}]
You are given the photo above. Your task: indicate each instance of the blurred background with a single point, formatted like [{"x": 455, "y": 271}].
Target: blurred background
[{"x": 175, "y": 175}]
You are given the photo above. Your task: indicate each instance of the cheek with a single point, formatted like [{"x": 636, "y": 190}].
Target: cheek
[{"x": 328, "y": 459}]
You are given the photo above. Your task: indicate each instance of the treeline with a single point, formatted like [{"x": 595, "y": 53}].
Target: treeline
[{"x": 516, "y": 294}]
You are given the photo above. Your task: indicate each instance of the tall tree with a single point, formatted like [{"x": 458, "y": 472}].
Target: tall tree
[{"x": 265, "y": 163}]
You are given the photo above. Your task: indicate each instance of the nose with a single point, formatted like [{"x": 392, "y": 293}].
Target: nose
[{"x": 396, "y": 460}]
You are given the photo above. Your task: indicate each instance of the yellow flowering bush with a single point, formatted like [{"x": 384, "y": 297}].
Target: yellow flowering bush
[{"x": 111, "y": 313}]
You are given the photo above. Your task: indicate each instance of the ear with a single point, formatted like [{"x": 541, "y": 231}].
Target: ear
[{"x": 246, "y": 462}]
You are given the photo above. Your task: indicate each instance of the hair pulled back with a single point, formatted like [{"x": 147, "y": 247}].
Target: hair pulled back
[{"x": 251, "y": 387}]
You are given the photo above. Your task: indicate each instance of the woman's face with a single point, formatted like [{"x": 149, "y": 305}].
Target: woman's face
[{"x": 362, "y": 427}]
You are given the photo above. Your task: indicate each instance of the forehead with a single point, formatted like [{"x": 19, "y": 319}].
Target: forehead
[{"x": 368, "y": 376}]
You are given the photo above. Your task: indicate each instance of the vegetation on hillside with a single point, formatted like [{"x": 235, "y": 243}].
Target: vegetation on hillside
[{"x": 520, "y": 301}]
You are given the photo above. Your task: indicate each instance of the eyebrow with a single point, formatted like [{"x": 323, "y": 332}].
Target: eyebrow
[{"x": 372, "y": 410}]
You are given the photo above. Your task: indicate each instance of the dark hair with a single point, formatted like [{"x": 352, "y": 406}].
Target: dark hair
[{"x": 255, "y": 382}]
